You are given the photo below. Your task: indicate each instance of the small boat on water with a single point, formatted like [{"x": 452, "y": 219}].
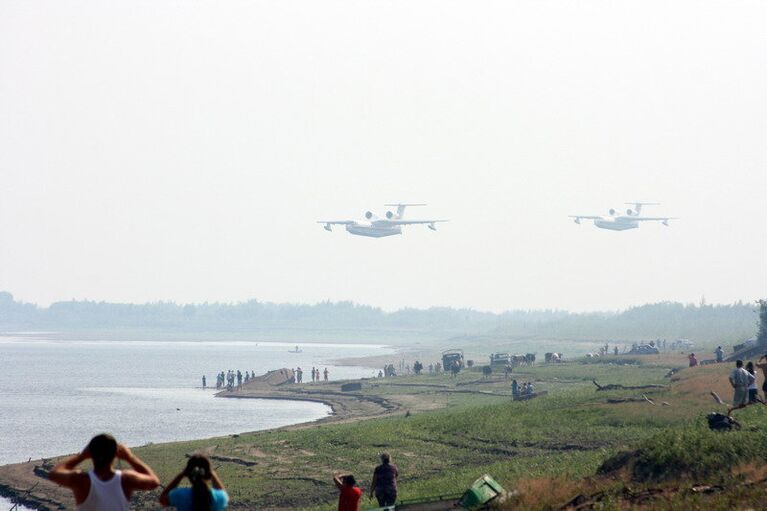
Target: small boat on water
[{"x": 297, "y": 350}]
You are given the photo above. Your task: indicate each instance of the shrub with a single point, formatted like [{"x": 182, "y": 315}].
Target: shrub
[{"x": 690, "y": 453}]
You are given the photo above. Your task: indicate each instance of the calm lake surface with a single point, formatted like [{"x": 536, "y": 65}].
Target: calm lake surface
[{"x": 57, "y": 394}]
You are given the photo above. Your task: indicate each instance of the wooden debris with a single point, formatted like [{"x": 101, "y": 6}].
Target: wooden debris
[
  {"x": 614, "y": 386},
  {"x": 718, "y": 399}
]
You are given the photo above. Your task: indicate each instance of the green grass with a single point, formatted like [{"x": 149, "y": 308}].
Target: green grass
[
  {"x": 438, "y": 451},
  {"x": 697, "y": 453},
  {"x": 567, "y": 434}
]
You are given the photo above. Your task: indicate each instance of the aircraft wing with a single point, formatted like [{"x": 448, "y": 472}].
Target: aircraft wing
[
  {"x": 410, "y": 222},
  {"x": 653, "y": 218},
  {"x": 336, "y": 222},
  {"x": 585, "y": 217}
]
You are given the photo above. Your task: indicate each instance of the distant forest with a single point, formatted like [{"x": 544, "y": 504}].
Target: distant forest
[{"x": 702, "y": 322}]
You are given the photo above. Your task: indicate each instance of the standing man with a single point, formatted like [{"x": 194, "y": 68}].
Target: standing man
[
  {"x": 384, "y": 485},
  {"x": 349, "y": 493},
  {"x": 740, "y": 379},
  {"x": 719, "y": 354},
  {"x": 326, "y": 374},
  {"x": 104, "y": 488},
  {"x": 203, "y": 382}
]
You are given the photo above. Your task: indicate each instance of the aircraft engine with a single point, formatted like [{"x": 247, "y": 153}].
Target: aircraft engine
[
  {"x": 368, "y": 214},
  {"x": 389, "y": 215},
  {"x": 630, "y": 212},
  {"x": 612, "y": 212}
]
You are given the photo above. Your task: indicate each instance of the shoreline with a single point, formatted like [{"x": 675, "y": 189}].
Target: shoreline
[{"x": 25, "y": 482}]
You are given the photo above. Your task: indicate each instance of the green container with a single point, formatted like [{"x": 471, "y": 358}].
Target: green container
[{"x": 481, "y": 492}]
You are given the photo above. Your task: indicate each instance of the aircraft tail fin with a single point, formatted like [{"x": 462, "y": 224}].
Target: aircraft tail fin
[
  {"x": 400, "y": 209},
  {"x": 638, "y": 205}
]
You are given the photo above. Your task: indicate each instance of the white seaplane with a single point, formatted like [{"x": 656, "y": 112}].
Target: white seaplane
[
  {"x": 376, "y": 227},
  {"x": 622, "y": 222}
]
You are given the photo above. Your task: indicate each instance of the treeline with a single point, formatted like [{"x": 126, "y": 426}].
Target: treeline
[
  {"x": 662, "y": 320},
  {"x": 667, "y": 320},
  {"x": 250, "y": 315}
]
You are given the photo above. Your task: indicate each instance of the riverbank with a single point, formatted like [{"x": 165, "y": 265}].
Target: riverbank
[
  {"x": 375, "y": 399},
  {"x": 444, "y": 432}
]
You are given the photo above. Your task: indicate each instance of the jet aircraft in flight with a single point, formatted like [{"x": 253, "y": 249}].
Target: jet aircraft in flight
[
  {"x": 374, "y": 226},
  {"x": 617, "y": 221}
]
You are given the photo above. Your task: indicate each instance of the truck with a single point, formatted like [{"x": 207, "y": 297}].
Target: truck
[
  {"x": 452, "y": 357},
  {"x": 501, "y": 359}
]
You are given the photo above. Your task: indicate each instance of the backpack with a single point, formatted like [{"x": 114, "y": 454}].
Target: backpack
[{"x": 719, "y": 422}]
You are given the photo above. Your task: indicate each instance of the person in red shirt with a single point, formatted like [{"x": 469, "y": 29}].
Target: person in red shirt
[{"x": 348, "y": 492}]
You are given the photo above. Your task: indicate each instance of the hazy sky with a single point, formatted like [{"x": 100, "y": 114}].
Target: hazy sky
[{"x": 183, "y": 150}]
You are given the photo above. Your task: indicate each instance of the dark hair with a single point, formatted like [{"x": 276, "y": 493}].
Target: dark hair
[
  {"x": 350, "y": 480},
  {"x": 750, "y": 367},
  {"x": 738, "y": 363},
  {"x": 103, "y": 449},
  {"x": 198, "y": 472},
  {"x": 385, "y": 458}
]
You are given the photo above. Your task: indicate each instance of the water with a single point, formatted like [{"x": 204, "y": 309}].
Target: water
[{"x": 57, "y": 394}]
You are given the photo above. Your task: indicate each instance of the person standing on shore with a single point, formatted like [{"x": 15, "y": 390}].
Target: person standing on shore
[
  {"x": 719, "y": 354},
  {"x": 349, "y": 493},
  {"x": 203, "y": 382},
  {"x": 326, "y": 374},
  {"x": 384, "y": 485},
  {"x": 200, "y": 497},
  {"x": 104, "y": 488},
  {"x": 740, "y": 379},
  {"x": 753, "y": 390}
]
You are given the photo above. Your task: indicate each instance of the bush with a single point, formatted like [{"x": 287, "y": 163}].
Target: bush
[{"x": 692, "y": 453}]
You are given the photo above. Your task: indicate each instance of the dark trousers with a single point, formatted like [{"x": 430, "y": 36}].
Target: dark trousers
[{"x": 386, "y": 498}]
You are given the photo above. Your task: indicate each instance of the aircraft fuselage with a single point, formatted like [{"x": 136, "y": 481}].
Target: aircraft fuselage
[
  {"x": 619, "y": 224},
  {"x": 372, "y": 231}
]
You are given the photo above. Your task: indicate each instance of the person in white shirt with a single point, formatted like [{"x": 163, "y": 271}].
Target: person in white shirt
[
  {"x": 104, "y": 488},
  {"x": 740, "y": 379},
  {"x": 753, "y": 389}
]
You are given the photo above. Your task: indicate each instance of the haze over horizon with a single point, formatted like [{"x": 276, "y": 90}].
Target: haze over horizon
[{"x": 183, "y": 152}]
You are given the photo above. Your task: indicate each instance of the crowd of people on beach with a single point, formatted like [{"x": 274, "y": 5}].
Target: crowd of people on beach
[
  {"x": 105, "y": 488},
  {"x": 230, "y": 379},
  {"x": 389, "y": 371},
  {"x": 234, "y": 380},
  {"x": 317, "y": 375}
]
